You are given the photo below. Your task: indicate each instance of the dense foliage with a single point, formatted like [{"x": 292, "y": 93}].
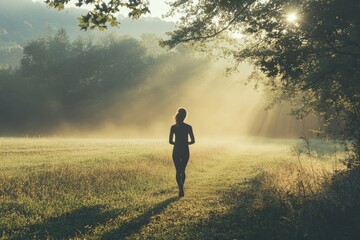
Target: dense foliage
[
  {"x": 311, "y": 60},
  {"x": 82, "y": 82},
  {"x": 60, "y": 79}
]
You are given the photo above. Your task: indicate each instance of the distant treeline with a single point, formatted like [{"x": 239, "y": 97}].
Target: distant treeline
[{"x": 59, "y": 80}]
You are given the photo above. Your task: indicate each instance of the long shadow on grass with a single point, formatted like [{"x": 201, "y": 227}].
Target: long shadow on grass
[
  {"x": 134, "y": 225},
  {"x": 68, "y": 225},
  {"x": 260, "y": 212},
  {"x": 254, "y": 213}
]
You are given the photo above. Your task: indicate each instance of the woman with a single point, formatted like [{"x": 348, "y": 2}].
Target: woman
[{"x": 181, "y": 144}]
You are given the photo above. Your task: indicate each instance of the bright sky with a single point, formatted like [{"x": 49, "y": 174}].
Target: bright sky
[{"x": 157, "y": 7}]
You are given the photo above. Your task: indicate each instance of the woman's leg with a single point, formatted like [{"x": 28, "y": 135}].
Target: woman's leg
[
  {"x": 184, "y": 161},
  {"x": 177, "y": 162}
]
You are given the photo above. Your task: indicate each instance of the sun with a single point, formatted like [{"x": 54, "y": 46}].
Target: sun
[{"x": 292, "y": 17}]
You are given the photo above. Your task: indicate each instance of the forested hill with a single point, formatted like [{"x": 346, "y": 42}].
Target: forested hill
[{"x": 23, "y": 20}]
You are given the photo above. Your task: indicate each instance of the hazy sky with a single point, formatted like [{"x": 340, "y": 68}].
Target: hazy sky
[{"x": 157, "y": 7}]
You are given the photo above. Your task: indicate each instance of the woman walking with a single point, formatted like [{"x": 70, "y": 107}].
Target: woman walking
[{"x": 181, "y": 154}]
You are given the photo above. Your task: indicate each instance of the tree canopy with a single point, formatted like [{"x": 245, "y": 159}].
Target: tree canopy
[
  {"x": 311, "y": 59},
  {"x": 306, "y": 52}
]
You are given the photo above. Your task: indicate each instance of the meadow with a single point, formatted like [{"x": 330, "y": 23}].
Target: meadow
[{"x": 236, "y": 188}]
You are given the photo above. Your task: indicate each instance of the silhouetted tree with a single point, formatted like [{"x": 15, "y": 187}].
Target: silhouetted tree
[
  {"x": 59, "y": 80},
  {"x": 83, "y": 83}
]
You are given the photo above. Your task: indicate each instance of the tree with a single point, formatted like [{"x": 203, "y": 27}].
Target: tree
[{"x": 308, "y": 50}]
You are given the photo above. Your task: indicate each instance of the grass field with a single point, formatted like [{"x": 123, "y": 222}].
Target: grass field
[{"x": 53, "y": 188}]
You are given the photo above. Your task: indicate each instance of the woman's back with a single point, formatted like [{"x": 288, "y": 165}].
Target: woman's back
[{"x": 181, "y": 131}]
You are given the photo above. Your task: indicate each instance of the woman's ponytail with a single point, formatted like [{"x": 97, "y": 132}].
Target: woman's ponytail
[{"x": 180, "y": 116}]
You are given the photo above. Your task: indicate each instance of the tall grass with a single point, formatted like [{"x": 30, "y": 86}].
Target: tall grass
[{"x": 316, "y": 196}]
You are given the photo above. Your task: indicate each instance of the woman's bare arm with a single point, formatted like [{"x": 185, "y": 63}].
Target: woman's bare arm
[
  {"x": 171, "y": 136},
  {"x": 192, "y": 137}
]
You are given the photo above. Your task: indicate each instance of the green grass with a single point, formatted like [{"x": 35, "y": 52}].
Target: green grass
[{"x": 53, "y": 188}]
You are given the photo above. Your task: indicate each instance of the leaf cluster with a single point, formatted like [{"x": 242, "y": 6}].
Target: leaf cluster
[{"x": 103, "y": 12}]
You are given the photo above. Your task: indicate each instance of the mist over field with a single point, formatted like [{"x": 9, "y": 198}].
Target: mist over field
[
  {"x": 217, "y": 106},
  {"x": 133, "y": 89}
]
